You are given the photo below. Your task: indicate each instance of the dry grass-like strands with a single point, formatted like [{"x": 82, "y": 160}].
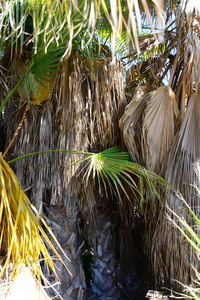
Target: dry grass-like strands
[
  {"x": 184, "y": 153},
  {"x": 81, "y": 114}
]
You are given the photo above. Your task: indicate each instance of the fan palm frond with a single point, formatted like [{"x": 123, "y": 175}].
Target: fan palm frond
[
  {"x": 186, "y": 150},
  {"x": 159, "y": 126},
  {"x": 20, "y": 227},
  {"x": 112, "y": 167},
  {"x": 16, "y": 17},
  {"x": 129, "y": 123},
  {"x": 32, "y": 84},
  {"x": 157, "y": 112}
]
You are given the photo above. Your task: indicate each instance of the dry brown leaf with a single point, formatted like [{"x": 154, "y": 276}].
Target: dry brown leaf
[{"x": 158, "y": 126}]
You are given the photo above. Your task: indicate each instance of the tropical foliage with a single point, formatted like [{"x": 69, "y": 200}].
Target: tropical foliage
[
  {"x": 75, "y": 73},
  {"x": 38, "y": 43}
]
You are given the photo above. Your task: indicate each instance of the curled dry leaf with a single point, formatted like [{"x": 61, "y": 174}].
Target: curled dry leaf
[{"x": 158, "y": 126}]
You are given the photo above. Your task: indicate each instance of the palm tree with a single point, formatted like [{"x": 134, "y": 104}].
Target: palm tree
[
  {"x": 34, "y": 43},
  {"x": 70, "y": 100},
  {"x": 161, "y": 129}
]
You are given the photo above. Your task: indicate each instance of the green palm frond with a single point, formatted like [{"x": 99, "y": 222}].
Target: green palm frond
[
  {"x": 30, "y": 83},
  {"x": 113, "y": 168},
  {"x": 50, "y": 30},
  {"x": 21, "y": 231},
  {"x": 48, "y": 18}
]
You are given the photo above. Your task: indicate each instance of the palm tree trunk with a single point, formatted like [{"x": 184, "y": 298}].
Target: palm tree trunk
[
  {"x": 70, "y": 283},
  {"x": 104, "y": 283}
]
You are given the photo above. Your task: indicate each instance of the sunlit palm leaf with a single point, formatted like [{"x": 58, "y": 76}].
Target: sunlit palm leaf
[
  {"x": 191, "y": 234},
  {"x": 20, "y": 227},
  {"x": 37, "y": 80},
  {"x": 113, "y": 168},
  {"x": 72, "y": 15}
]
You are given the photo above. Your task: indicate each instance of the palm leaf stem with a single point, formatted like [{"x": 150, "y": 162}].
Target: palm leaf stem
[
  {"x": 173, "y": 69},
  {"x": 17, "y": 131},
  {"x": 11, "y": 93},
  {"x": 113, "y": 166},
  {"x": 48, "y": 151}
]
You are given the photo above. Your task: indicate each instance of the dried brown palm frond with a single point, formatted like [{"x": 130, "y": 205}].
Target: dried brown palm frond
[
  {"x": 186, "y": 145},
  {"x": 158, "y": 127},
  {"x": 131, "y": 122},
  {"x": 106, "y": 101},
  {"x": 184, "y": 152},
  {"x": 148, "y": 126},
  {"x": 188, "y": 20}
]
